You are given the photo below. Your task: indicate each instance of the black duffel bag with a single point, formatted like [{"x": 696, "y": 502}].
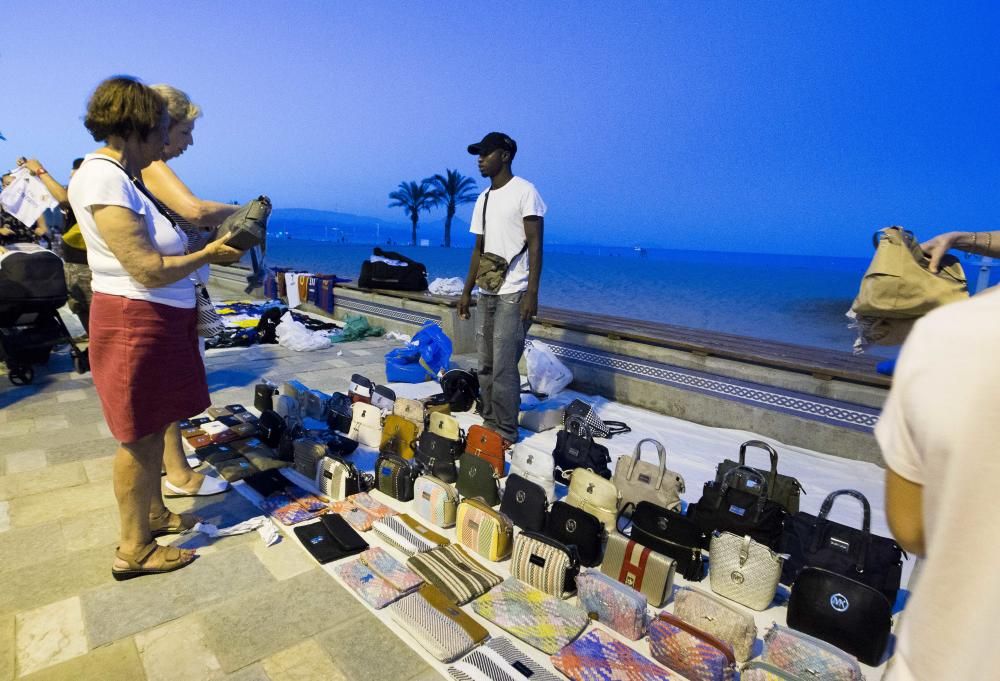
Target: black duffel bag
[
  {"x": 815, "y": 541},
  {"x": 839, "y": 610},
  {"x": 671, "y": 533},
  {"x": 726, "y": 508},
  {"x": 410, "y": 276},
  {"x": 575, "y": 448}
]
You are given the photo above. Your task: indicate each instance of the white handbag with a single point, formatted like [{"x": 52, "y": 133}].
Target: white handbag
[
  {"x": 743, "y": 570},
  {"x": 591, "y": 493},
  {"x": 537, "y": 467},
  {"x": 411, "y": 410},
  {"x": 639, "y": 480},
  {"x": 445, "y": 425},
  {"x": 366, "y": 425}
]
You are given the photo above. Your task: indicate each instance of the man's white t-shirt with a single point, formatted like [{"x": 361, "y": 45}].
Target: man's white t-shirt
[
  {"x": 505, "y": 212},
  {"x": 940, "y": 429},
  {"x": 99, "y": 183}
]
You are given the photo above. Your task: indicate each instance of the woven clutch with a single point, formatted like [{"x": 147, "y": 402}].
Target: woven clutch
[
  {"x": 596, "y": 656},
  {"x": 454, "y": 572},
  {"x": 540, "y": 620},
  {"x": 715, "y": 616},
  {"x": 808, "y": 657},
  {"x": 499, "y": 660},
  {"x": 407, "y": 535},
  {"x": 620, "y": 607},
  {"x": 439, "y": 627},
  {"x": 696, "y": 655}
]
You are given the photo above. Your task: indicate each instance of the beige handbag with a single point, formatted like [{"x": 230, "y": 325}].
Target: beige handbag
[
  {"x": 411, "y": 410},
  {"x": 366, "y": 425},
  {"x": 743, "y": 570},
  {"x": 718, "y": 618},
  {"x": 444, "y": 425},
  {"x": 591, "y": 493},
  {"x": 639, "y": 480}
]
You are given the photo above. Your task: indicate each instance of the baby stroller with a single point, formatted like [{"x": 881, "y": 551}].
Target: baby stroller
[{"x": 32, "y": 289}]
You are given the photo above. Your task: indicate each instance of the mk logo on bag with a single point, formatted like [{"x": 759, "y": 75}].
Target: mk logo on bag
[
  {"x": 736, "y": 576},
  {"x": 520, "y": 496},
  {"x": 839, "y": 602}
]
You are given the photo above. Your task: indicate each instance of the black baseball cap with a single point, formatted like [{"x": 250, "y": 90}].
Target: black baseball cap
[{"x": 492, "y": 142}]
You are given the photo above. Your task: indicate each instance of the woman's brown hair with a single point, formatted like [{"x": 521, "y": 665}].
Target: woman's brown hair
[{"x": 122, "y": 105}]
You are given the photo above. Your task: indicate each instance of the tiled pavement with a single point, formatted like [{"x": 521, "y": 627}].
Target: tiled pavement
[{"x": 241, "y": 611}]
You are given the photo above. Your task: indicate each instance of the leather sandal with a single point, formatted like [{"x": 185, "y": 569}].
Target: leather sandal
[
  {"x": 210, "y": 486},
  {"x": 172, "y": 560},
  {"x": 161, "y": 525}
]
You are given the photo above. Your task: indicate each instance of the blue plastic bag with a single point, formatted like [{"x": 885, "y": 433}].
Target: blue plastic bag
[
  {"x": 434, "y": 347},
  {"x": 402, "y": 365}
]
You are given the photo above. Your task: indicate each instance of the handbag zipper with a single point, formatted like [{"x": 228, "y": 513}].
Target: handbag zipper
[
  {"x": 615, "y": 585},
  {"x": 719, "y": 601},
  {"x": 696, "y": 553},
  {"x": 716, "y": 643},
  {"x": 448, "y": 489},
  {"x": 770, "y": 669}
]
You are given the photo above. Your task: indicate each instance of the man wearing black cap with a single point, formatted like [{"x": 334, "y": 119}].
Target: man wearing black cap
[{"x": 507, "y": 265}]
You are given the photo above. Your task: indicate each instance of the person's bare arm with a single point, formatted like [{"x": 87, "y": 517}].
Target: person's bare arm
[
  {"x": 41, "y": 226},
  {"x": 470, "y": 279},
  {"x": 904, "y": 508},
  {"x": 127, "y": 236},
  {"x": 533, "y": 227},
  {"x": 38, "y": 170},
  {"x": 983, "y": 243},
  {"x": 168, "y": 188}
]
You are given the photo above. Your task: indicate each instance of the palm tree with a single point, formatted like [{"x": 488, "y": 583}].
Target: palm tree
[
  {"x": 413, "y": 198},
  {"x": 454, "y": 190}
]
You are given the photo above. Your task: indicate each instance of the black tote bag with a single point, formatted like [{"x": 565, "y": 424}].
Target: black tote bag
[{"x": 725, "y": 508}]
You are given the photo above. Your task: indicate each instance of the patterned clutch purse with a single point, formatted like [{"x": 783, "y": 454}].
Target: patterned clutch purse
[
  {"x": 596, "y": 656},
  {"x": 454, "y": 573},
  {"x": 407, "y": 535},
  {"x": 540, "y": 620},
  {"x": 762, "y": 671},
  {"x": 390, "y": 569},
  {"x": 361, "y": 511},
  {"x": 484, "y": 530},
  {"x": 499, "y": 660},
  {"x": 361, "y": 579},
  {"x": 442, "y": 629},
  {"x": 620, "y": 607},
  {"x": 295, "y": 505},
  {"x": 696, "y": 655},
  {"x": 715, "y": 616},
  {"x": 808, "y": 657}
]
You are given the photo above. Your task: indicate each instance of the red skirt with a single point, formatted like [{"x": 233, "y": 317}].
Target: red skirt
[{"x": 146, "y": 364}]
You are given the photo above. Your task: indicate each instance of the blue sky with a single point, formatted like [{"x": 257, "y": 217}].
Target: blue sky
[{"x": 796, "y": 127}]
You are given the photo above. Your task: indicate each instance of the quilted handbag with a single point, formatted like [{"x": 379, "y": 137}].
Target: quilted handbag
[
  {"x": 595, "y": 495},
  {"x": 545, "y": 564},
  {"x": 407, "y": 535},
  {"x": 524, "y": 503},
  {"x": 439, "y": 627},
  {"x": 638, "y": 480},
  {"x": 307, "y": 452},
  {"x": 487, "y": 445},
  {"x": 839, "y": 610},
  {"x": 596, "y": 656},
  {"x": 695, "y": 654},
  {"x": 724, "y": 507},
  {"x": 412, "y": 411},
  {"x": 437, "y": 455},
  {"x": 781, "y": 489},
  {"x": 444, "y": 425},
  {"x": 807, "y": 657},
  {"x": 535, "y": 617},
  {"x": 435, "y": 501},
  {"x": 595, "y": 426},
  {"x": 361, "y": 511},
  {"x": 816, "y": 541},
  {"x": 610, "y": 602},
  {"x": 454, "y": 572},
  {"x": 575, "y": 448},
  {"x": 337, "y": 479},
  {"x": 383, "y": 398},
  {"x": 575, "y": 527},
  {"x": 672, "y": 534},
  {"x": 366, "y": 425},
  {"x": 339, "y": 413},
  {"x": 394, "y": 477},
  {"x": 499, "y": 660},
  {"x": 398, "y": 436},
  {"x": 484, "y": 530},
  {"x": 477, "y": 479},
  {"x": 717, "y": 617},
  {"x": 538, "y": 467},
  {"x": 636, "y": 566},
  {"x": 360, "y": 389},
  {"x": 543, "y": 417},
  {"x": 743, "y": 570}
]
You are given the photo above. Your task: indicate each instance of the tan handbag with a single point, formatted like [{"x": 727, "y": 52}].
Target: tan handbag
[
  {"x": 411, "y": 410},
  {"x": 484, "y": 530},
  {"x": 591, "y": 493},
  {"x": 444, "y": 425},
  {"x": 639, "y": 480}
]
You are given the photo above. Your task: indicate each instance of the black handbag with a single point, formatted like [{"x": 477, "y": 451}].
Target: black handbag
[
  {"x": 839, "y": 610},
  {"x": 410, "y": 276},
  {"x": 477, "y": 479},
  {"x": 460, "y": 388},
  {"x": 815, "y": 541},
  {"x": 575, "y": 527},
  {"x": 340, "y": 445},
  {"x": 672, "y": 534},
  {"x": 726, "y": 508},
  {"x": 272, "y": 426},
  {"x": 306, "y": 455},
  {"x": 575, "y": 448},
  {"x": 394, "y": 477},
  {"x": 338, "y": 413},
  {"x": 263, "y": 396},
  {"x": 782, "y": 489},
  {"x": 436, "y": 455},
  {"x": 524, "y": 503},
  {"x": 595, "y": 426}
]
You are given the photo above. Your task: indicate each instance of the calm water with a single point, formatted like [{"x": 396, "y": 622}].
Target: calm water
[{"x": 796, "y": 299}]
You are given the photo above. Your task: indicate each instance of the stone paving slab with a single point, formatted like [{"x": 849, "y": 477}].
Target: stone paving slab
[
  {"x": 176, "y": 652},
  {"x": 8, "y": 646},
  {"x": 84, "y": 450},
  {"x": 62, "y": 577},
  {"x": 118, "y": 661},
  {"x": 306, "y": 661},
  {"x": 254, "y": 672},
  {"x": 368, "y": 633},
  {"x": 60, "y": 503},
  {"x": 42, "y": 480},
  {"x": 49, "y": 635},
  {"x": 27, "y": 546}
]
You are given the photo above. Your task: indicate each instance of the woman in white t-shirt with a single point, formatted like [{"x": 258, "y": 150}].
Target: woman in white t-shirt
[{"x": 143, "y": 339}]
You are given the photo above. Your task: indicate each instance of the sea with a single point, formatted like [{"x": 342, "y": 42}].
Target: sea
[{"x": 790, "y": 298}]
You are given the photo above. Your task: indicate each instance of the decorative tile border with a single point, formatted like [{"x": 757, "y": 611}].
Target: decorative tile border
[
  {"x": 387, "y": 311},
  {"x": 824, "y": 410}
]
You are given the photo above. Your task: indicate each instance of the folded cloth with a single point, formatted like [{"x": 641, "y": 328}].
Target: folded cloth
[
  {"x": 452, "y": 286},
  {"x": 262, "y": 524}
]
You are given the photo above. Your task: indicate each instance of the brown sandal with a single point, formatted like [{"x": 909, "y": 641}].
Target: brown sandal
[
  {"x": 161, "y": 524},
  {"x": 172, "y": 560}
]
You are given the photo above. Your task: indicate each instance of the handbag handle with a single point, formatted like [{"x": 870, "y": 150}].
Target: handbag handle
[
  {"x": 661, "y": 451},
  {"x": 824, "y": 511},
  {"x": 760, "y": 444},
  {"x": 579, "y": 427}
]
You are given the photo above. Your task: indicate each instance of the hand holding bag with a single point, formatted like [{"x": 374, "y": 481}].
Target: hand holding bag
[
  {"x": 638, "y": 481},
  {"x": 718, "y": 618},
  {"x": 595, "y": 495},
  {"x": 808, "y": 657},
  {"x": 743, "y": 570},
  {"x": 781, "y": 489},
  {"x": 723, "y": 507},
  {"x": 575, "y": 448}
]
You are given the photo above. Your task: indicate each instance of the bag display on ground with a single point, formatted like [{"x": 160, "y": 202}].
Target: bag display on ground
[
  {"x": 781, "y": 489},
  {"x": 596, "y": 656},
  {"x": 546, "y": 374},
  {"x": 399, "y": 436},
  {"x": 338, "y": 479},
  {"x": 539, "y": 619},
  {"x": 545, "y": 564},
  {"x": 524, "y": 503},
  {"x": 575, "y": 448},
  {"x": 437, "y": 455},
  {"x": 723, "y": 507},
  {"x": 575, "y": 527},
  {"x": 393, "y": 272},
  {"x": 808, "y": 657},
  {"x": 444, "y": 631},
  {"x": 639, "y": 480},
  {"x": 694, "y": 654},
  {"x": 537, "y": 467},
  {"x": 452, "y": 570},
  {"x": 743, "y": 570},
  {"x": 394, "y": 477},
  {"x": 307, "y": 453},
  {"x": 366, "y": 425},
  {"x": 499, "y": 660},
  {"x": 487, "y": 445},
  {"x": 715, "y": 616},
  {"x": 636, "y": 566},
  {"x": 595, "y": 495},
  {"x": 610, "y": 602},
  {"x": 435, "y": 501},
  {"x": 477, "y": 479},
  {"x": 483, "y": 530}
]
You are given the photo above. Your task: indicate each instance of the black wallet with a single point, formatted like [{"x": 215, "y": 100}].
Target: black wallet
[
  {"x": 267, "y": 482},
  {"x": 330, "y": 539},
  {"x": 236, "y": 408}
]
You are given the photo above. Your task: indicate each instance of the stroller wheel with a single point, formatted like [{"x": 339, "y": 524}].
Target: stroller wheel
[{"x": 19, "y": 375}]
